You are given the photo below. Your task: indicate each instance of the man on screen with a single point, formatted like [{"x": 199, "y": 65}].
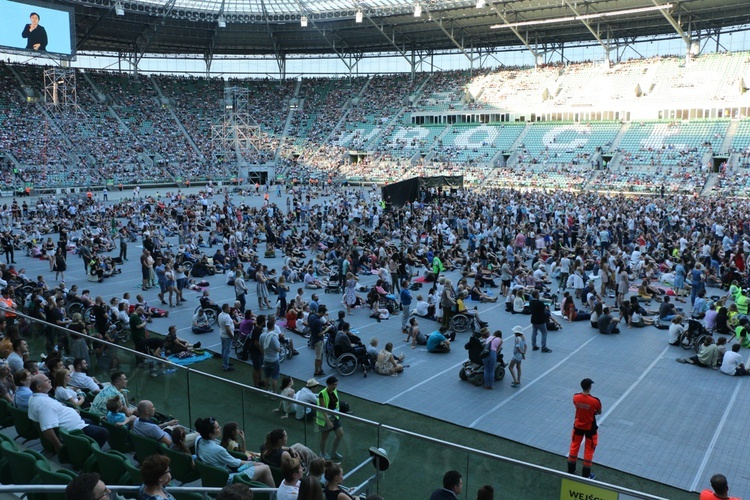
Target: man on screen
[{"x": 36, "y": 35}]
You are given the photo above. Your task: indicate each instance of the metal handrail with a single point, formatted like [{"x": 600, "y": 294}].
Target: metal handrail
[{"x": 378, "y": 425}]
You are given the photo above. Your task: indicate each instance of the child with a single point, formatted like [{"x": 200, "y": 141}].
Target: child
[{"x": 115, "y": 414}]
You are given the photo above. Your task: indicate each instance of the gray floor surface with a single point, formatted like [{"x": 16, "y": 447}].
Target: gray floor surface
[{"x": 665, "y": 421}]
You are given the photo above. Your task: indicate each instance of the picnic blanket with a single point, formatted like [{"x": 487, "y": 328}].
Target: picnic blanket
[{"x": 190, "y": 360}]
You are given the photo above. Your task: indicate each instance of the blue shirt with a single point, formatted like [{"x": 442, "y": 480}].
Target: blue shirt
[
  {"x": 405, "y": 296},
  {"x": 434, "y": 340},
  {"x": 22, "y": 396}
]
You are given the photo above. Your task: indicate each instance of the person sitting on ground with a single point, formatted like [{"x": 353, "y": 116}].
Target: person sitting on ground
[
  {"x": 201, "y": 322},
  {"x": 437, "y": 341},
  {"x": 676, "y": 330},
  {"x": 306, "y": 395},
  {"x": 387, "y": 363},
  {"x": 209, "y": 451},
  {"x": 708, "y": 356},
  {"x": 569, "y": 309},
  {"x": 607, "y": 324},
  {"x": 174, "y": 344},
  {"x": 478, "y": 295},
  {"x": 422, "y": 308},
  {"x": 741, "y": 332},
  {"x": 667, "y": 310},
  {"x": 732, "y": 364}
]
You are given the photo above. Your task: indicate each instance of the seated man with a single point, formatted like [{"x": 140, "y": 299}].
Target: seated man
[
  {"x": 667, "y": 311},
  {"x": 462, "y": 309},
  {"x": 437, "y": 341},
  {"x": 80, "y": 379},
  {"x": 732, "y": 363},
  {"x": 306, "y": 395},
  {"x": 117, "y": 387},
  {"x": 475, "y": 347},
  {"x": 311, "y": 281},
  {"x": 146, "y": 427},
  {"x": 708, "y": 356},
  {"x": 51, "y": 414},
  {"x": 607, "y": 323},
  {"x": 201, "y": 323},
  {"x": 347, "y": 341}
]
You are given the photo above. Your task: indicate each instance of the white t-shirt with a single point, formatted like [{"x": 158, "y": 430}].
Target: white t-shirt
[
  {"x": 730, "y": 362},
  {"x": 287, "y": 492}
]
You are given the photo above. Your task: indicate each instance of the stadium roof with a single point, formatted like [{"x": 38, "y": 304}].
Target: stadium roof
[{"x": 274, "y": 26}]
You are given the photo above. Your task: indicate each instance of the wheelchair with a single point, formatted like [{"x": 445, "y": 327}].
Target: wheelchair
[
  {"x": 212, "y": 312},
  {"x": 347, "y": 362},
  {"x": 693, "y": 336},
  {"x": 461, "y": 322}
]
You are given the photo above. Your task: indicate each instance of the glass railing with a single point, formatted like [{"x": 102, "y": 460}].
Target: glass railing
[{"x": 418, "y": 462}]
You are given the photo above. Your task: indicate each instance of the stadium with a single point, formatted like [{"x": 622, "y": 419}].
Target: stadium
[{"x": 608, "y": 105}]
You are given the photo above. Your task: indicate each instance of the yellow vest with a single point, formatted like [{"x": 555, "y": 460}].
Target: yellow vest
[{"x": 320, "y": 418}]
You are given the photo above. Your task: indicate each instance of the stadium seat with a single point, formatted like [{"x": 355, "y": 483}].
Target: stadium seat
[
  {"x": 145, "y": 447},
  {"x": 111, "y": 465},
  {"x": 181, "y": 465},
  {"x": 119, "y": 437},
  {"x": 25, "y": 428},
  {"x": 45, "y": 475}
]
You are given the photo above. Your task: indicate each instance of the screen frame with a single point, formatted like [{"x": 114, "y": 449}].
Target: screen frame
[{"x": 70, "y": 10}]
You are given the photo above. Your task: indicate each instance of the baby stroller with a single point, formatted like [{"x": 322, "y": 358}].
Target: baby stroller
[
  {"x": 473, "y": 369},
  {"x": 334, "y": 284}
]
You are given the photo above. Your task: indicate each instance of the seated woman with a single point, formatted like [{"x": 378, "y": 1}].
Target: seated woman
[
  {"x": 65, "y": 394},
  {"x": 570, "y": 312},
  {"x": 209, "y": 451},
  {"x": 386, "y": 363},
  {"x": 233, "y": 439},
  {"x": 519, "y": 301},
  {"x": 275, "y": 449},
  {"x": 478, "y": 295},
  {"x": 722, "y": 321},
  {"x": 334, "y": 476},
  {"x": 174, "y": 344},
  {"x": 378, "y": 312}
]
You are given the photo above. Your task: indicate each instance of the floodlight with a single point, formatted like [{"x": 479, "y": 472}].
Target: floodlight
[
  {"x": 480, "y": 4},
  {"x": 221, "y": 21},
  {"x": 119, "y": 10},
  {"x": 303, "y": 21},
  {"x": 358, "y": 16},
  {"x": 417, "y": 10}
]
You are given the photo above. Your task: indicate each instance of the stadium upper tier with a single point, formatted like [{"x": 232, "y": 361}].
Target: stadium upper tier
[{"x": 503, "y": 126}]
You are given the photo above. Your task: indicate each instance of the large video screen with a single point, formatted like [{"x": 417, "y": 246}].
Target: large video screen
[{"x": 37, "y": 27}]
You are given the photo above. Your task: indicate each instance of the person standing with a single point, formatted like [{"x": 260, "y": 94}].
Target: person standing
[
  {"x": 226, "y": 329},
  {"x": 538, "y": 322},
  {"x": 720, "y": 487},
  {"x": 240, "y": 290},
  {"x": 587, "y": 408},
  {"x": 519, "y": 354},
  {"x": 328, "y": 419},
  {"x": 318, "y": 330},
  {"x": 495, "y": 344},
  {"x": 123, "y": 236},
  {"x": 406, "y": 299},
  {"x": 271, "y": 348}
]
